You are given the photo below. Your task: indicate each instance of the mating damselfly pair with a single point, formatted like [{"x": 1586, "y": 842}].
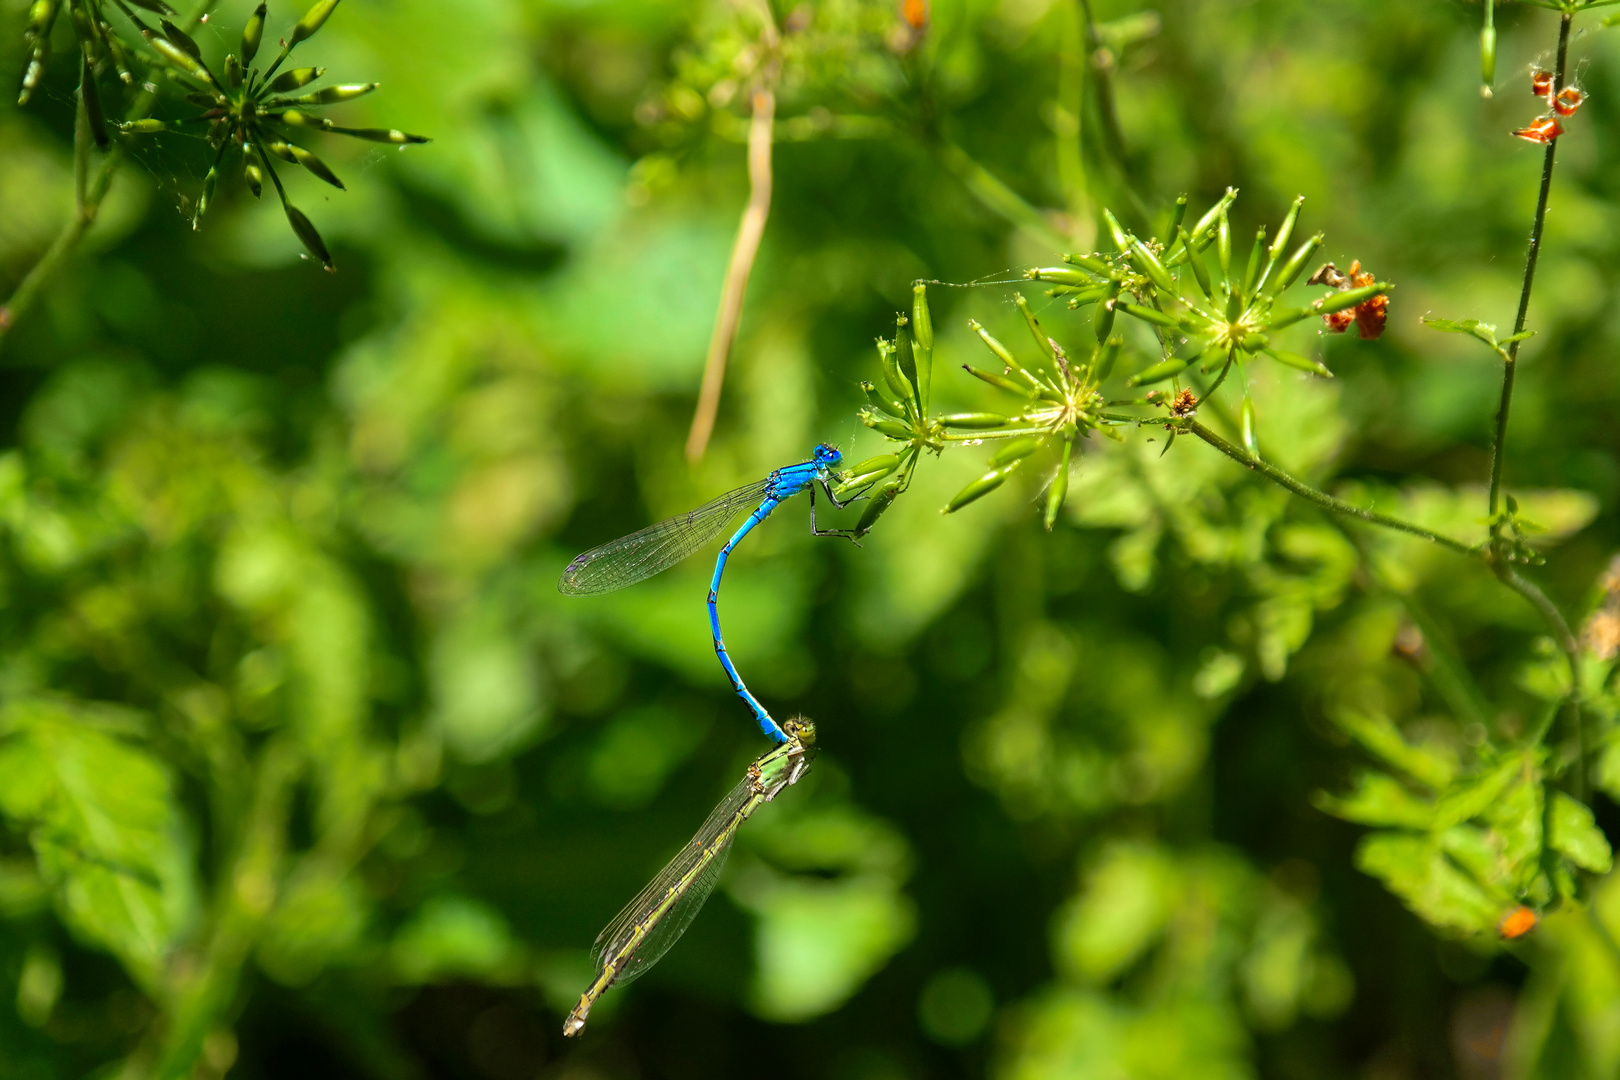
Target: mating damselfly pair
[{"x": 644, "y": 931}]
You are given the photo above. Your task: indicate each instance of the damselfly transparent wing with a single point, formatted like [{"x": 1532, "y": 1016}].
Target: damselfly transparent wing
[
  {"x": 691, "y": 875},
  {"x": 656, "y": 548}
]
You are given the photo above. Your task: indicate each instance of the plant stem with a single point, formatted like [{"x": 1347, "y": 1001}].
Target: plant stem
[
  {"x": 88, "y": 194},
  {"x": 750, "y": 231},
  {"x": 993, "y": 193},
  {"x": 1498, "y": 446},
  {"x": 1322, "y": 498}
]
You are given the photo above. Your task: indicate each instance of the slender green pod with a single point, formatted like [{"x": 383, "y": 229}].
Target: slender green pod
[
  {"x": 1059, "y": 489},
  {"x": 922, "y": 332}
]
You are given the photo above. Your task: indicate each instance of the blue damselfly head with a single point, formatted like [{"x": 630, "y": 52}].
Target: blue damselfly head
[
  {"x": 828, "y": 457},
  {"x": 802, "y": 727}
]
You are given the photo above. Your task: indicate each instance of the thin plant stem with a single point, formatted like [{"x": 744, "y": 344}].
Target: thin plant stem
[
  {"x": 983, "y": 185},
  {"x": 89, "y": 191},
  {"x": 750, "y": 231},
  {"x": 1321, "y": 498},
  {"x": 1499, "y": 444}
]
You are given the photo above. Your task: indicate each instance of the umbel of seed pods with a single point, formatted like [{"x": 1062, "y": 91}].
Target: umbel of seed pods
[
  {"x": 251, "y": 115},
  {"x": 1562, "y": 101},
  {"x": 1225, "y": 315}
]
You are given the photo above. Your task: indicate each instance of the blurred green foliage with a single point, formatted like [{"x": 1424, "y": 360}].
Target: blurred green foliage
[{"x": 306, "y": 766}]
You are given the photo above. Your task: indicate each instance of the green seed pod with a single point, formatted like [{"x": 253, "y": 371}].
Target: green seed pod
[
  {"x": 1148, "y": 315},
  {"x": 305, "y": 231},
  {"x": 387, "y": 135},
  {"x": 252, "y": 33},
  {"x": 877, "y": 505},
  {"x": 906, "y": 357},
  {"x": 1246, "y": 427},
  {"x": 1294, "y": 360},
  {"x": 1002, "y": 352},
  {"x": 885, "y": 463},
  {"x": 1223, "y": 247},
  {"x": 1086, "y": 262},
  {"x": 1059, "y": 489},
  {"x": 868, "y": 472},
  {"x": 1016, "y": 450},
  {"x": 1349, "y": 298},
  {"x": 1034, "y": 325},
  {"x": 209, "y": 183},
  {"x": 1107, "y": 355},
  {"x": 255, "y": 179},
  {"x": 1178, "y": 213},
  {"x": 312, "y": 21},
  {"x": 893, "y": 375},
  {"x": 143, "y": 127},
  {"x": 1295, "y": 264},
  {"x": 336, "y": 95},
  {"x": 881, "y": 402},
  {"x": 974, "y": 420},
  {"x": 94, "y": 119},
  {"x": 40, "y": 17},
  {"x": 179, "y": 57},
  {"x": 34, "y": 71},
  {"x": 1200, "y": 272},
  {"x": 120, "y": 55},
  {"x": 181, "y": 38},
  {"x": 316, "y": 166},
  {"x": 893, "y": 429},
  {"x": 1102, "y": 319},
  {"x": 1285, "y": 231},
  {"x": 233, "y": 71},
  {"x": 1251, "y": 272},
  {"x": 1487, "y": 50},
  {"x": 1117, "y": 231},
  {"x": 1164, "y": 369},
  {"x": 1150, "y": 265},
  {"x": 1000, "y": 382},
  {"x": 1253, "y": 343},
  {"x": 1287, "y": 317},
  {"x": 922, "y": 332},
  {"x": 983, "y": 486},
  {"x": 1060, "y": 275},
  {"x": 1208, "y": 224},
  {"x": 1081, "y": 297},
  {"x": 292, "y": 80}
]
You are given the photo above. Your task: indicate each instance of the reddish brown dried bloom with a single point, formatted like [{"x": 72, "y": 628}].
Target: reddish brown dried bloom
[
  {"x": 1541, "y": 82},
  {"x": 1568, "y": 100},
  {"x": 1601, "y": 635},
  {"x": 1185, "y": 404},
  {"x": 1369, "y": 315},
  {"x": 1543, "y": 130}
]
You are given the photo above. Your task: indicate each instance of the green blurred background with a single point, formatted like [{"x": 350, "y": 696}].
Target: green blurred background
[{"x": 280, "y": 552}]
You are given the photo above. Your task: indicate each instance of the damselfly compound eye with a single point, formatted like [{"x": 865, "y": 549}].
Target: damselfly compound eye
[
  {"x": 1541, "y": 83},
  {"x": 1543, "y": 130},
  {"x": 1568, "y": 100}
]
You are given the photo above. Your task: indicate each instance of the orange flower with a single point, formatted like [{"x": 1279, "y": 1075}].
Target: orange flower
[{"x": 1517, "y": 923}]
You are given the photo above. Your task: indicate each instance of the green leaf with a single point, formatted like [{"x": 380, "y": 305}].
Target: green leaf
[
  {"x": 1472, "y": 798},
  {"x": 1431, "y": 766},
  {"x": 1378, "y": 799},
  {"x": 101, "y": 816},
  {"x": 1575, "y": 834},
  {"x": 1417, "y": 871},
  {"x": 1485, "y": 332}
]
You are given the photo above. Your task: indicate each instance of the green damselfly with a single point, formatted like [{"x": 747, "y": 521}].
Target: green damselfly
[{"x": 643, "y": 932}]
